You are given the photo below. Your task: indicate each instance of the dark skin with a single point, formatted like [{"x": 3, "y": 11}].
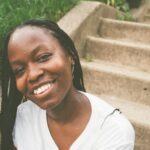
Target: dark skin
[
  {"x": 71, "y": 124},
  {"x": 39, "y": 61}
]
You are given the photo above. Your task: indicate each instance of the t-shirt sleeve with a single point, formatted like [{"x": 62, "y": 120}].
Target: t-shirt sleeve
[
  {"x": 117, "y": 133},
  {"x": 23, "y": 126}
]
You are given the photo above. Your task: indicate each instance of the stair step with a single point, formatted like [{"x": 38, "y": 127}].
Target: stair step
[
  {"x": 141, "y": 146},
  {"x": 126, "y": 83},
  {"x": 124, "y": 30},
  {"x": 147, "y": 18},
  {"x": 138, "y": 114},
  {"x": 148, "y": 10},
  {"x": 125, "y": 53}
]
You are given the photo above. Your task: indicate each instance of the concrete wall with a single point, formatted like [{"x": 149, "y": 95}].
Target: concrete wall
[{"x": 78, "y": 23}]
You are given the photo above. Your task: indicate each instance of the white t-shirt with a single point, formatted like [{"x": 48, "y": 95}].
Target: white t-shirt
[{"x": 107, "y": 129}]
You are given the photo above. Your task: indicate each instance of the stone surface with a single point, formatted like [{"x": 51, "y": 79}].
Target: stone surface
[
  {"x": 125, "y": 31},
  {"x": 118, "y": 52},
  {"x": 142, "y": 14},
  {"x": 122, "y": 82}
]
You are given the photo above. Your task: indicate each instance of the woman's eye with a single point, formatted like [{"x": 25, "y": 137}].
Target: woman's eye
[
  {"x": 43, "y": 57},
  {"x": 19, "y": 71}
]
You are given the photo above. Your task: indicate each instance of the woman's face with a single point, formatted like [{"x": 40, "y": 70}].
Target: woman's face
[{"x": 41, "y": 66}]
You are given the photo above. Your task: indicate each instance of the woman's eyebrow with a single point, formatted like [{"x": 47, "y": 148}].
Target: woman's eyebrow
[{"x": 36, "y": 50}]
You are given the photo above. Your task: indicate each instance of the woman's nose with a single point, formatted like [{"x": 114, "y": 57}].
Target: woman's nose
[{"x": 34, "y": 73}]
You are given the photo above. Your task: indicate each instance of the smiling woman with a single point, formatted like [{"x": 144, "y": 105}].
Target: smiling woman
[
  {"x": 42, "y": 68},
  {"x": 40, "y": 63}
]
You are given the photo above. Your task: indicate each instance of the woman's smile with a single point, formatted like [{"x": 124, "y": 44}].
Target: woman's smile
[{"x": 44, "y": 90}]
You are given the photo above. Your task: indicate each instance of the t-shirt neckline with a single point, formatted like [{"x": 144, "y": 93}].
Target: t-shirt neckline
[{"x": 83, "y": 134}]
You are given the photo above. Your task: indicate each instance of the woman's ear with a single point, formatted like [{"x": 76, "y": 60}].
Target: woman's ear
[
  {"x": 72, "y": 65},
  {"x": 71, "y": 60}
]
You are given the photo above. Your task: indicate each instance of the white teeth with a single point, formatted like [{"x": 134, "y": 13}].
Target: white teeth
[{"x": 42, "y": 89}]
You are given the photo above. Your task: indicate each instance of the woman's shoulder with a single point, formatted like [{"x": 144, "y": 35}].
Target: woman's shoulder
[
  {"x": 99, "y": 104},
  {"x": 27, "y": 121},
  {"x": 120, "y": 130},
  {"x": 27, "y": 108},
  {"x": 113, "y": 120},
  {"x": 121, "y": 124},
  {"x": 27, "y": 112}
]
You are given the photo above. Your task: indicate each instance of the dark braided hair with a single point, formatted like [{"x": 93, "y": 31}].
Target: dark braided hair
[{"x": 11, "y": 97}]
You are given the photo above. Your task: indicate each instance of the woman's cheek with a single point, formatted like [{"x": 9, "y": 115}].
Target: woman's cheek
[
  {"x": 55, "y": 66},
  {"x": 20, "y": 83}
]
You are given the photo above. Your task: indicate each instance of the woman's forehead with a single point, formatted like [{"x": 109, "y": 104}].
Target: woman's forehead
[
  {"x": 29, "y": 34},
  {"x": 30, "y": 31}
]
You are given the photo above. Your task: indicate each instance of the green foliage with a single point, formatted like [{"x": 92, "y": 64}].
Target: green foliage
[
  {"x": 121, "y": 5},
  {"x": 13, "y": 12},
  {"x": 135, "y": 3},
  {"x": 127, "y": 16}
]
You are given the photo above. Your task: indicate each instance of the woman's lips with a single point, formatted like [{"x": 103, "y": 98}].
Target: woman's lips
[{"x": 42, "y": 88}]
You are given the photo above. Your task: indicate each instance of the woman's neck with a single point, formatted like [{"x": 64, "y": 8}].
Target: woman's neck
[{"x": 69, "y": 109}]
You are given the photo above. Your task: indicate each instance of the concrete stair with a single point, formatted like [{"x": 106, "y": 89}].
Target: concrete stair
[
  {"x": 116, "y": 67},
  {"x": 147, "y": 16},
  {"x": 124, "y": 31},
  {"x": 139, "y": 53},
  {"x": 142, "y": 14},
  {"x": 104, "y": 78}
]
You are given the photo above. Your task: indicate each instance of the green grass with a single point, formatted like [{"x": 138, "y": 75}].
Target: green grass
[{"x": 13, "y": 12}]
